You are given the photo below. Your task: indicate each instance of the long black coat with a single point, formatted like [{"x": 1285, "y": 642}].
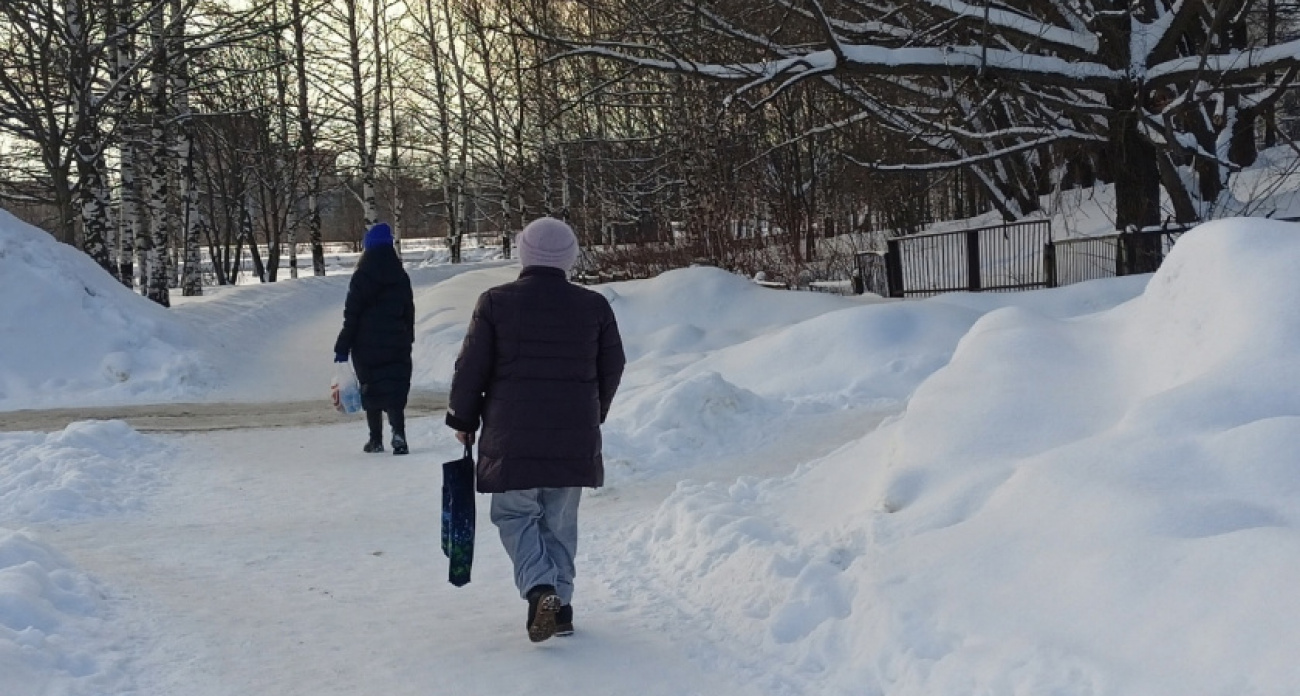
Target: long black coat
[
  {"x": 538, "y": 370},
  {"x": 379, "y": 328}
]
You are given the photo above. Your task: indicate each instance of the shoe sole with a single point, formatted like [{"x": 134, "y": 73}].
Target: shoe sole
[
  {"x": 562, "y": 631},
  {"x": 543, "y": 625}
]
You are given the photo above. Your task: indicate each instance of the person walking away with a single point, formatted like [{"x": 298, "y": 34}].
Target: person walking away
[
  {"x": 378, "y": 332},
  {"x": 537, "y": 371}
]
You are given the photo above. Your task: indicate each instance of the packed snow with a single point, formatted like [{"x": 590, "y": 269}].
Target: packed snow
[
  {"x": 1084, "y": 491},
  {"x": 71, "y": 333}
]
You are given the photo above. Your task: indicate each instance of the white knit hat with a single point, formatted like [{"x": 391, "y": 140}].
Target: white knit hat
[{"x": 547, "y": 241}]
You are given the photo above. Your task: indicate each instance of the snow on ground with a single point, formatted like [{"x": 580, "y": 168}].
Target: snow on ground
[
  {"x": 1103, "y": 504},
  {"x": 52, "y": 640},
  {"x": 1082, "y": 491},
  {"x": 53, "y": 637},
  {"x": 71, "y": 332},
  {"x": 75, "y": 337},
  {"x": 90, "y": 468},
  {"x": 276, "y": 341}
]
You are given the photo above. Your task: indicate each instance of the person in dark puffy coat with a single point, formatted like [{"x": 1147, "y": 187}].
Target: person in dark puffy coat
[
  {"x": 378, "y": 332},
  {"x": 537, "y": 371}
]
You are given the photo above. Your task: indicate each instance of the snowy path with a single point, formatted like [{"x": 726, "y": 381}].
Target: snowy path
[
  {"x": 284, "y": 562},
  {"x": 305, "y": 567},
  {"x": 273, "y": 558},
  {"x": 191, "y": 417}
]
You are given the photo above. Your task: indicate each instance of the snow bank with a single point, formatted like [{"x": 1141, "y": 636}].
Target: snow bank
[
  {"x": 49, "y": 619},
  {"x": 442, "y": 315},
  {"x": 90, "y": 468},
  {"x": 664, "y": 415},
  {"x": 741, "y": 367},
  {"x": 873, "y": 354},
  {"x": 690, "y": 311},
  {"x": 54, "y": 638},
  {"x": 678, "y": 407},
  {"x": 74, "y": 335},
  {"x": 1098, "y": 504}
]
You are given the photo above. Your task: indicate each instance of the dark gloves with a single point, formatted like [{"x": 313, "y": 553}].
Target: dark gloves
[
  {"x": 340, "y": 357},
  {"x": 459, "y": 424}
]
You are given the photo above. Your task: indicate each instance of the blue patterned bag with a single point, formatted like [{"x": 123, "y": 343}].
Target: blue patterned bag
[{"x": 458, "y": 516}]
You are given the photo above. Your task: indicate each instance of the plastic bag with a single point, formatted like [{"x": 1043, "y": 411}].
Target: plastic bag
[{"x": 345, "y": 392}]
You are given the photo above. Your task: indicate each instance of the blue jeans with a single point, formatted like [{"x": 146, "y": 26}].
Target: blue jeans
[{"x": 539, "y": 528}]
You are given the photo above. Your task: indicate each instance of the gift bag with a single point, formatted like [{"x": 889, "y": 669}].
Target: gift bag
[
  {"x": 458, "y": 516},
  {"x": 345, "y": 392}
]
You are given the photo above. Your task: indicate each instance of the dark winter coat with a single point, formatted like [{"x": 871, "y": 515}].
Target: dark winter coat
[
  {"x": 538, "y": 370},
  {"x": 379, "y": 328}
]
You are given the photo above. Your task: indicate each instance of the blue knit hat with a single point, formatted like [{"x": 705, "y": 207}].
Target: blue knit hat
[{"x": 379, "y": 234}]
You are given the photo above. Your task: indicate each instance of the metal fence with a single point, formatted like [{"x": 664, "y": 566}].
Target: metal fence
[
  {"x": 1015, "y": 256},
  {"x": 1072, "y": 261},
  {"x": 1086, "y": 258},
  {"x": 871, "y": 273},
  {"x": 998, "y": 258}
]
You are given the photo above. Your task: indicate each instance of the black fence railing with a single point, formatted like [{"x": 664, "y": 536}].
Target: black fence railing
[
  {"x": 1127, "y": 253},
  {"x": 1014, "y": 256},
  {"x": 1086, "y": 258},
  {"x": 998, "y": 258},
  {"x": 872, "y": 274}
]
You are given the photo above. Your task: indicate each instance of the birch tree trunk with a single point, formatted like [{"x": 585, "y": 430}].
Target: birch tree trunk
[
  {"x": 371, "y": 156},
  {"x": 462, "y": 153},
  {"x": 93, "y": 196},
  {"x": 307, "y": 139},
  {"x": 129, "y": 228},
  {"x": 130, "y": 222},
  {"x": 517, "y": 141},
  {"x": 397, "y": 202},
  {"x": 157, "y": 283},
  {"x": 190, "y": 213},
  {"x": 286, "y": 174}
]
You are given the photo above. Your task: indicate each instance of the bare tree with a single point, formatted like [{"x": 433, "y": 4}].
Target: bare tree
[
  {"x": 33, "y": 100},
  {"x": 307, "y": 136},
  {"x": 1155, "y": 88},
  {"x": 63, "y": 82},
  {"x": 445, "y": 122},
  {"x": 358, "y": 87}
]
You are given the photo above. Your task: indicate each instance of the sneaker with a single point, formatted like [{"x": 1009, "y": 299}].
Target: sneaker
[
  {"x": 373, "y": 446},
  {"x": 543, "y": 605},
  {"x": 564, "y": 621},
  {"x": 399, "y": 445}
]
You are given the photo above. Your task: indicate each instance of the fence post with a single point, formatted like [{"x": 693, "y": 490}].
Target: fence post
[
  {"x": 1049, "y": 263},
  {"x": 894, "y": 268},
  {"x": 973, "y": 260}
]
